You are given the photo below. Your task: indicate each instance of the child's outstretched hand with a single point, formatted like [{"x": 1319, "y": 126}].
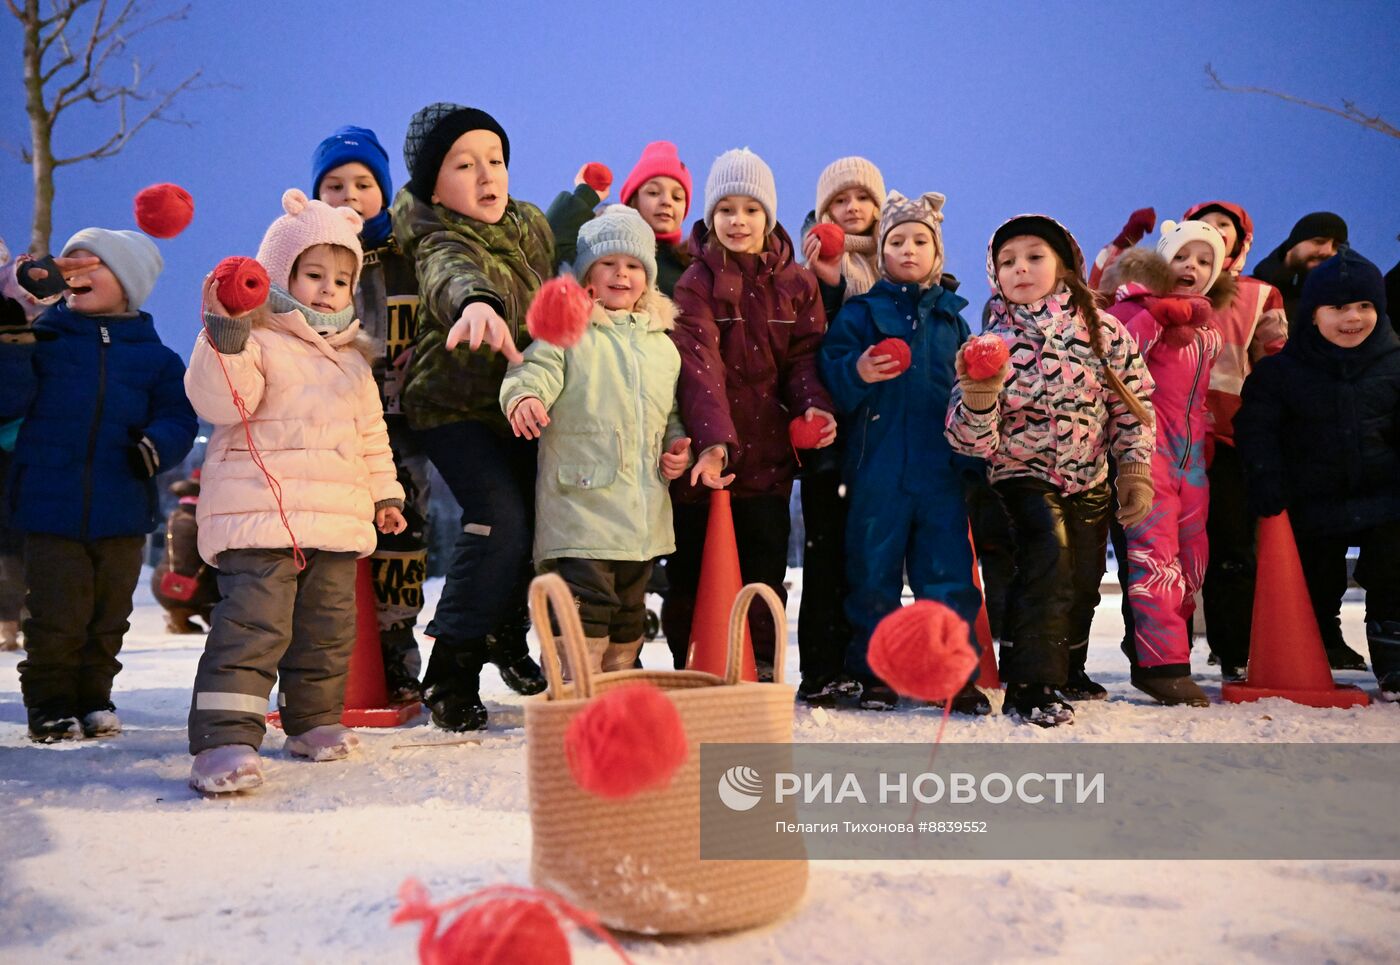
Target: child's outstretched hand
[
  {"x": 390, "y": 521},
  {"x": 528, "y": 418},
  {"x": 877, "y": 368},
  {"x": 479, "y": 322},
  {"x": 675, "y": 459},
  {"x": 829, "y": 433},
  {"x": 827, "y": 269},
  {"x": 708, "y": 468}
]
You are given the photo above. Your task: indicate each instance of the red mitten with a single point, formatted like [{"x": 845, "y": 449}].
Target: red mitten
[
  {"x": 831, "y": 238},
  {"x": 243, "y": 284},
  {"x": 597, "y": 176},
  {"x": 164, "y": 210},
  {"x": 559, "y": 313},
  {"x": 1140, "y": 222},
  {"x": 895, "y": 348},
  {"x": 984, "y": 356},
  {"x": 1172, "y": 311},
  {"x": 806, "y": 433}
]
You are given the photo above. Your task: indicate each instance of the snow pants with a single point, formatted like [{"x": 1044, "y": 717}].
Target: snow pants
[
  {"x": 611, "y": 595},
  {"x": 1228, "y": 593},
  {"x": 823, "y": 633},
  {"x": 400, "y": 561},
  {"x": 274, "y": 623},
  {"x": 1324, "y": 559}
]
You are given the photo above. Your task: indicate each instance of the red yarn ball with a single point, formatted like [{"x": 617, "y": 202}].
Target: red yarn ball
[
  {"x": 243, "y": 284},
  {"x": 832, "y": 239},
  {"x": 559, "y": 313},
  {"x": 897, "y": 349},
  {"x": 503, "y": 931},
  {"x": 805, "y": 433},
  {"x": 627, "y": 741},
  {"x": 164, "y": 210},
  {"x": 597, "y": 176},
  {"x": 922, "y": 651},
  {"x": 984, "y": 356}
]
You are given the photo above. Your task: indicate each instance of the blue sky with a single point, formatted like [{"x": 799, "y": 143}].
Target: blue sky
[{"x": 1081, "y": 111}]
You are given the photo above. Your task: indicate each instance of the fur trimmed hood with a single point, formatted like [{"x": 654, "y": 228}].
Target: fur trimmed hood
[
  {"x": 1150, "y": 273},
  {"x": 660, "y": 311}
]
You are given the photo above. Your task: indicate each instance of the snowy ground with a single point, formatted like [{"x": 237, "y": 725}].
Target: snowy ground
[{"x": 106, "y": 855}]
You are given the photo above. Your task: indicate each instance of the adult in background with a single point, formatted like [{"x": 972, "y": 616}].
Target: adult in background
[{"x": 1315, "y": 238}]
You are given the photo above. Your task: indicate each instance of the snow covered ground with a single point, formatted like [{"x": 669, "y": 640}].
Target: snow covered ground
[{"x": 106, "y": 855}]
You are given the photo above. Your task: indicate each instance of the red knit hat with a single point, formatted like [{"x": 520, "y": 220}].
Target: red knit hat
[{"x": 659, "y": 160}]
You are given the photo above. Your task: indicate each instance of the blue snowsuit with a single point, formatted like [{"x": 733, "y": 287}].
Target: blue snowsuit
[{"x": 908, "y": 515}]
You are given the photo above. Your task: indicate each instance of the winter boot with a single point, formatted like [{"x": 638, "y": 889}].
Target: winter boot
[
  {"x": 225, "y": 769},
  {"x": 1383, "y": 636},
  {"x": 102, "y": 722},
  {"x": 1231, "y": 674},
  {"x": 823, "y": 691},
  {"x": 9, "y": 635},
  {"x": 1037, "y": 704},
  {"x": 971, "y": 702},
  {"x": 1342, "y": 657},
  {"x": 1080, "y": 687},
  {"x": 1171, "y": 691},
  {"x": 452, "y": 685},
  {"x": 597, "y": 650},
  {"x": 621, "y": 656},
  {"x": 402, "y": 663},
  {"x": 48, "y": 724},
  {"x": 1390, "y": 687},
  {"x": 509, "y": 649},
  {"x": 875, "y": 694},
  {"x": 179, "y": 621},
  {"x": 329, "y": 742}
]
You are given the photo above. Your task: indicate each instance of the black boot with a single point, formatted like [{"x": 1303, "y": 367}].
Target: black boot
[
  {"x": 49, "y": 723},
  {"x": 820, "y": 691},
  {"x": 875, "y": 694},
  {"x": 452, "y": 685},
  {"x": 1080, "y": 687},
  {"x": 1383, "y": 636},
  {"x": 971, "y": 702},
  {"x": 401, "y": 661},
  {"x": 509, "y": 649},
  {"x": 1342, "y": 657},
  {"x": 1037, "y": 704}
]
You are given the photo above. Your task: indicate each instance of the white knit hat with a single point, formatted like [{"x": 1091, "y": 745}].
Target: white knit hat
[
  {"x": 1176, "y": 235},
  {"x": 741, "y": 173},
  {"x": 848, "y": 172},
  {"x": 132, "y": 257},
  {"x": 307, "y": 223},
  {"x": 618, "y": 230}
]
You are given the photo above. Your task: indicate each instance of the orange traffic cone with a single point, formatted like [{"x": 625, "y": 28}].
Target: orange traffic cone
[
  {"x": 720, "y": 583},
  {"x": 987, "y": 675},
  {"x": 1286, "y": 655},
  {"x": 366, "y": 693}
]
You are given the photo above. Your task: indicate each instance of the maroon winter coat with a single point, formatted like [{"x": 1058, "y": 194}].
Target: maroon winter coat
[{"x": 748, "y": 328}]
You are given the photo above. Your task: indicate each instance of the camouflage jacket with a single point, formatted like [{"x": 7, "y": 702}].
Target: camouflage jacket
[
  {"x": 460, "y": 260},
  {"x": 386, "y": 302}
]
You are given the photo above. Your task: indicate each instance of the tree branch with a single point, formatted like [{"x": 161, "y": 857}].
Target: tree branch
[
  {"x": 126, "y": 132},
  {"x": 1348, "y": 111}
]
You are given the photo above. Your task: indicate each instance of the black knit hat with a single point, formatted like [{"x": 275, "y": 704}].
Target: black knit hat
[
  {"x": 1344, "y": 278},
  {"x": 431, "y": 134},
  {"x": 1038, "y": 226},
  {"x": 1319, "y": 224}
]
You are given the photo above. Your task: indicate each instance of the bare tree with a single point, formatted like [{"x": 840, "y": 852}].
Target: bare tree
[
  {"x": 1348, "y": 110},
  {"x": 66, "y": 51}
]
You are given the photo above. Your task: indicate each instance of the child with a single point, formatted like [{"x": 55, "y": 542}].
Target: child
[
  {"x": 103, "y": 411},
  {"x": 480, "y": 256},
  {"x": 850, "y": 193},
  {"x": 750, "y": 321},
  {"x": 605, "y": 414},
  {"x": 1158, "y": 301},
  {"x": 1076, "y": 391},
  {"x": 293, "y": 379},
  {"x": 351, "y": 169},
  {"x": 182, "y": 558},
  {"x": 1318, "y": 433},
  {"x": 907, "y": 515},
  {"x": 659, "y": 187}
]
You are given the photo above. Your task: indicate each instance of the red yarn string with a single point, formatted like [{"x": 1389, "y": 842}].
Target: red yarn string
[{"x": 298, "y": 557}]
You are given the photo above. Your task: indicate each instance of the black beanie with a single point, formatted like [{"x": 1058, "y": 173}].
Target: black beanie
[
  {"x": 1319, "y": 224},
  {"x": 1041, "y": 227},
  {"x": 1344, "y": 278},
  {"x": 431, "y": 134}
]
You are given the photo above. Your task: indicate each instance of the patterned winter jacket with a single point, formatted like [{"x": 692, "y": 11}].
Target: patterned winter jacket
[
  {"x": 461, "y": 260},
  {"x": 748, "y": 330},
  {"x": 1057, "y": 416},
  {"x": 386, "y": 302}
]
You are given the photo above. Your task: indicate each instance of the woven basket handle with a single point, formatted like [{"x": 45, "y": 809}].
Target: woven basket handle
[
  {"x": 548, "y": 590},
  {"x": 737, "y": 617}
]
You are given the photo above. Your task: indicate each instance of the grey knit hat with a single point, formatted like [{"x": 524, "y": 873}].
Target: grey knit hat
[
  {"x": 619, "y": 230},
  {"x": 130, "y": 255},
  {"x": 926, "y": 209},
  {"x": 742, "y": 173},
  {"x": 432, "y": 132}
]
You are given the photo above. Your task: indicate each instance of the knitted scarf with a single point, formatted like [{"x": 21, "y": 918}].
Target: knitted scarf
[
  {"x": 860, "y": 264},
  {"x": 281, "y": 301}
]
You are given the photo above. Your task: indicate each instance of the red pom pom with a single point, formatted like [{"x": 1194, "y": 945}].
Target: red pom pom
[
  {"x": 806, "y": 433},
  {"x": 559, "y": 313},
  {"x": 243, "y": 284},
  {"x": 922, "y": 651},
  {"x": 895, "y": 348},
  {"x": 597, "y": 176},
  {"x": 502, "y": 931},
  {"x": 627, "y": 741},
  {"x": 832, "y": 239},
  {"x": 984, "y": 356},
  {"x": 164, "y": 210}
]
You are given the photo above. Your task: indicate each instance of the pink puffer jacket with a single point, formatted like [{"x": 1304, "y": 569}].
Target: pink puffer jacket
[{"x": 316, "y": 418}]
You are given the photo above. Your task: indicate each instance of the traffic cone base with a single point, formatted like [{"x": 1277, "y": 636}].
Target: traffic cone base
[{"x": 1341, "y": 695}]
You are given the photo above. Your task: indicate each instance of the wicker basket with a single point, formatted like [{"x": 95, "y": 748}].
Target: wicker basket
[{"x": 636, "y": 863}]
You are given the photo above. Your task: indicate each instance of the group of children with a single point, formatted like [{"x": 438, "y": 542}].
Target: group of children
[{"x": 395, "y": 335}]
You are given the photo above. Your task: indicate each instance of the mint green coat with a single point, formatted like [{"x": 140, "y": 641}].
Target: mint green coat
[{"x": 612, "y": 411}]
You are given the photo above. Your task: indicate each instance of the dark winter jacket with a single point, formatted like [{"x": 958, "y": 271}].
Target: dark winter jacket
[
  {"x": 386, "y": 302},
  {"x": 1319, "y": 432},
  {"x": 896, "y": 426},
  {"x": 460, "y": 260},
  {"x": 571, "y": 209},
  {"x": 87, "y": 397},
  {"x": 748, "y": 329}
]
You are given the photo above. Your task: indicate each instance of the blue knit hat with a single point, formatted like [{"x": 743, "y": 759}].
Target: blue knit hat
[
  {"x": 351, "y": 144},
  {"x": 619, "y": 230},
  {"x": 1344, "y": 278}
]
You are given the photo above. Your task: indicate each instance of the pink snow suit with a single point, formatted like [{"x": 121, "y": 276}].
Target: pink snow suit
[{"x": 1167, "y": 551}]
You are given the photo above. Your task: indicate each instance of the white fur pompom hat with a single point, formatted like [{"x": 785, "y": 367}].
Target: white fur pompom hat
[
  {"x": 307, "y": 223},
  {"x": 1176, "y": 235}
]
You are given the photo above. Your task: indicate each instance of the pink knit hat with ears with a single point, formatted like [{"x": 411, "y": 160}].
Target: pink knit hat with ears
[{"x": 307, "y": 223}]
